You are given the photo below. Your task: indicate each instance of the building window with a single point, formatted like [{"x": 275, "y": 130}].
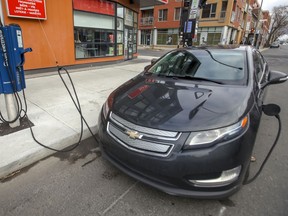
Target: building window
[
  {"x": 167, "y": 36},
  {"x": 91, "y": 42},
  {"x": 120, "y": 11},
  {"x": 213, "y": 38},
  {"x": 209, "y": 11},
  {"x": 177, "y": 13},
  {"x": 223, "y": 9},
  {"x": 162, "y": 16},
  {"x": 128, "y": 20}
]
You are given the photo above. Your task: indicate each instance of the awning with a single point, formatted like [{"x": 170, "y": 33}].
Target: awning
[{"x": 148, "y": 3}]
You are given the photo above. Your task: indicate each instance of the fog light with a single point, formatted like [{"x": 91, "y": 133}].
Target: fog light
[{"x": 226, "y": 178}]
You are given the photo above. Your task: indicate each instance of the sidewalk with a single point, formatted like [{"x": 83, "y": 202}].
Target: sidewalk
[{"x": 55, "y": 118}]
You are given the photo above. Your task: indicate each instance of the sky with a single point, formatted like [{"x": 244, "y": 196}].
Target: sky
[{"x": 269, "y": 4}]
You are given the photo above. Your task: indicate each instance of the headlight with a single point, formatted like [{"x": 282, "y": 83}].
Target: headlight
[
  {"x": 213, "y": 136},
  {"x": 108, "y": 105},
  {"x": 105, "y": 109}
]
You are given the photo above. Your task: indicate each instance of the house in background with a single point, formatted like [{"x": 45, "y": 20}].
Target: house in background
[
  {"x": 159, "y": 24},
  {"x": 219, "y": 22}
]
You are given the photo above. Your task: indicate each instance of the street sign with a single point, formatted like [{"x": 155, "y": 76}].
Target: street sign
[{"x": 27, "y": 9}]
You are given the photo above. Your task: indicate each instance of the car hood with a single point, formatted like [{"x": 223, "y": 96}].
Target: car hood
[{"x": 179, "y": 105}]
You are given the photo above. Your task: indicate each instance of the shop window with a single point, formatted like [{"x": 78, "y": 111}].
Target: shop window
[
  {"x": 119, "y": 49},
  {"x": 213, "y": 38},
  {"x": 135, "y": 29},
  {"x": 119, "y": 37},
  {"x": 167, "y": 37},
  {"x": 128, "y": 20},
  {"x": 120, "y": 11},
  {"x": 93, "y": 42},
  {"x": 90, "y": 20},
  {"x": 120, "y": 24},
  {"x": 119, "y": 43}
]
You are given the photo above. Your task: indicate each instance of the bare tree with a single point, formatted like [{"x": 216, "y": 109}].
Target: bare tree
[{"x": 279, "y": 23}]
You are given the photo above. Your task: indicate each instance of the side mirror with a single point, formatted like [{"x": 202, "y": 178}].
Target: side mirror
[
  {"x": 147, "y": 67},
  {"x": 276, "y": 77},
  {"x": 153, "y": 60}
]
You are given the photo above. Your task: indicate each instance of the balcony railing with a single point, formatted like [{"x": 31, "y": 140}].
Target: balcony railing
[{"x": 146, "y": 21}]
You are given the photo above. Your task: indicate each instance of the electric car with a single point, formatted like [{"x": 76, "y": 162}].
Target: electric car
[{"x": 187, "y": 124}]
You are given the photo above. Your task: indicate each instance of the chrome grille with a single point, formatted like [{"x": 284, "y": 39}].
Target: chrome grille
[
  {"x": 151, "y": 141},
  {"x": 146, "y": 130}
]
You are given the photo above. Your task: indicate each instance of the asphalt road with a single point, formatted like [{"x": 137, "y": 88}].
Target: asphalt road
[{"x": 83, "y": 183}]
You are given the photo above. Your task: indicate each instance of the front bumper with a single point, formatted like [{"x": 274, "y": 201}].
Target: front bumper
[{"x": 175, "y": 173}]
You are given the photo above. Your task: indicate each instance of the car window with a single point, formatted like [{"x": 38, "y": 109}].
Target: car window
[
  {"x": 227, "y": 66},
  {"x": 259, "y": 65}
]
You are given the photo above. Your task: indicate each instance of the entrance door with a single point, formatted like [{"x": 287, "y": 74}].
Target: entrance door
[
  {"x": 128, "y": 43},
  {"x": 148, "y": 42}
]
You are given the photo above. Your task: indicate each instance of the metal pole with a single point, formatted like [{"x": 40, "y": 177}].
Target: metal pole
[
  {"x": 186, "y": 24},
  {"x": 11, "y": 110},
  {"x": 180, "y": 25}
]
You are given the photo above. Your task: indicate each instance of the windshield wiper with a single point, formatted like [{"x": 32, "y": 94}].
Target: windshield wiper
[
  {"x": 239, "y": 68},
  {"x": 199, "y": 78}
]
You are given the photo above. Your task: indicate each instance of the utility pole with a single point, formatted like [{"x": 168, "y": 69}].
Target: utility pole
[
  {"x": 188, "y": 21},
  {"x": 184, "y": 20}
]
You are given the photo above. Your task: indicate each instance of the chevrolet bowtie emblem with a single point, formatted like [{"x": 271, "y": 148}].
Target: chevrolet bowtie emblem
[{"x": 133, "y": 134}]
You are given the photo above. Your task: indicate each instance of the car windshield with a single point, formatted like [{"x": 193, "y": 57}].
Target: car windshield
[{"x": 222, "y": 65}]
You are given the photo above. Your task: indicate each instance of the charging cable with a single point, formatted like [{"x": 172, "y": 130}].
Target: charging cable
[
  {"x": 248, "y": 181},
  {"x": 76, "y": 104}
]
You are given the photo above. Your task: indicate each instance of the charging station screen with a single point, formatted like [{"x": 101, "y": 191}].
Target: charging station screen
[{"x": 27, "y": 9}]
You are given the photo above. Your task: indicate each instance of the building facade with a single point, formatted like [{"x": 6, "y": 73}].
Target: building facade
[
  {"x": 159, "y": 25},
  {"x": 75, "y": 32},
  {"x": 218, "y": 22},
  {"x": 223, "y": 22}
]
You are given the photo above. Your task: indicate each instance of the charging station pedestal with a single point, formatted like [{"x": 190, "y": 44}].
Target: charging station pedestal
[
  {"x": 12, "y": 78},
  {"x": 12, "y": 111}
]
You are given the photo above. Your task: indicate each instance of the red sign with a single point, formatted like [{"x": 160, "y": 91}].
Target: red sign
[
  {"x": 96, "y": 6},
  {"x": 33, "y": 9}
]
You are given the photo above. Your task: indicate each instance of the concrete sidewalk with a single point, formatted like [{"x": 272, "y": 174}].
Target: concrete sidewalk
[{"x": 55, "y": 118}]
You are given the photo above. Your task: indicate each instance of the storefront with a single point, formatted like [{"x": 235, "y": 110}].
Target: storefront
[{"x": 75, "y": 32}]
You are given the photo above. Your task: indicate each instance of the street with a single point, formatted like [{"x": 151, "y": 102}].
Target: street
[{"x": 83, "y": 183}]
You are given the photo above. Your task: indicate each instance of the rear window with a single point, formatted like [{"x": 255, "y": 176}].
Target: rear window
[{"x": 227, "y": 66}]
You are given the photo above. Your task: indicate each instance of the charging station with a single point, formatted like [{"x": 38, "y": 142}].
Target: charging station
[{"x": 12, "y": 59}]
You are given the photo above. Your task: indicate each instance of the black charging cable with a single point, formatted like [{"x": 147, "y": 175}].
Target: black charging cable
[
  {"x": 248, "y": 181},
  {"x": 76, "y": 103}
]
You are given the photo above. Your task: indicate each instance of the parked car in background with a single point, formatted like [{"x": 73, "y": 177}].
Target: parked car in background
[
  {"x": 275, "y": 44},
  {"x": 187, "y": 124}
]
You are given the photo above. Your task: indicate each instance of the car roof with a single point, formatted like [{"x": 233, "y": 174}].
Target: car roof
[{"x": 221, "y": 47}]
